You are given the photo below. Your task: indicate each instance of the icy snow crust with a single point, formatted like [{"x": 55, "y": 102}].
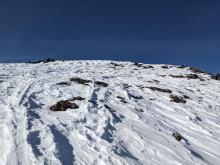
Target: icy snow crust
[{"x": 105, "y": 130}]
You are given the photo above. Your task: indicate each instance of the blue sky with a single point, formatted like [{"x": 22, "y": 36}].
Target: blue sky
[{"x": 171, "y": 31}]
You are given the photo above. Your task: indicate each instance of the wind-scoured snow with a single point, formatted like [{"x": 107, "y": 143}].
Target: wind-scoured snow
[{"x": 125, "y": 122}]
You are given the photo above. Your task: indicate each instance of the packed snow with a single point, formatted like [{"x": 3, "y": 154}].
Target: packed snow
[{"x": 128, "y": 118}]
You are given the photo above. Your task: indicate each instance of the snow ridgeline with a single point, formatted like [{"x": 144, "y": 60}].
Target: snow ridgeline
[{"x": 130, "y": 120}]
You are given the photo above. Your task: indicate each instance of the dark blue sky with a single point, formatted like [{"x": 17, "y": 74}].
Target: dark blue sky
[{"x": 156, "y": 31}]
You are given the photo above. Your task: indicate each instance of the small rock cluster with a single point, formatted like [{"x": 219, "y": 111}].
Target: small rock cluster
[
  {"x": 196, "y": 70},
  {"x": 116, "y": 64},
  {"x": 192, "y": 76},
  {"x": 63, "y": 105},
  {"x": 140, "y": 65},
  {"x": 177, "y": 99},
  {"x": 122, "y": 99},
  {"x": 189, "y": 76},
  {"x": 43, "y": 61}
]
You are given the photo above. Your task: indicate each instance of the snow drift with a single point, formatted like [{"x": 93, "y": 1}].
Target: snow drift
[{"x": 102, "y": 112}]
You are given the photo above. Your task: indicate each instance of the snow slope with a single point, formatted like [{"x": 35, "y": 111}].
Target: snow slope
[{"x": 134, "y": 128}]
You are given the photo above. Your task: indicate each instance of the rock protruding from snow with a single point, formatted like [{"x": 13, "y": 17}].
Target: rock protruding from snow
[
  {"x": 103, "y": 84},
  {"x": 192, "y": 76},
  {"x": 81, "y": 81},
  {"x": 79, "y": 98},
  {"x": 177, "y": 136},
  {"x": 177, "y": 99},
  {"x": 63, "y": 105},
  {"x": 160, "y": 89}
]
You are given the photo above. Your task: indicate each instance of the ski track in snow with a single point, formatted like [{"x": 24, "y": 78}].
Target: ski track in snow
[{"x": 135, "y": 128}]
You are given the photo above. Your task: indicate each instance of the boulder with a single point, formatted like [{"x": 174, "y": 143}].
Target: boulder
[
  {"x": 138, "y": 64},
  {"x": 177, "y": 99},
  {"x": 177, "y": 136},
  {"x": 101, "y": 83},
  {"x": 80, "y": 81},
  {"x": 63, "y": 105},
  {"x": 165, "y": 67}
]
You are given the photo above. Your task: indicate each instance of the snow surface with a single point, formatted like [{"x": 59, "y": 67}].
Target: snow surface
[{"x": 105, "y": 130}]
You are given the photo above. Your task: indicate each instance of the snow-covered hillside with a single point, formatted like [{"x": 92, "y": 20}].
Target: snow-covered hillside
[{"x": 127, "y": 114}]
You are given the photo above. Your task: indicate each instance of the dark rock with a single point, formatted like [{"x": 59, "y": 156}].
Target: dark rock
[
  {"x": 216, "y": 77},
  {"x": 177, "y": 136},
  {"x": 80, "y": 81},
  {"x": 49, "y": 60},
  {"x": 64, "y": 83},
  {"x": 148, "y": 67},
  {"x": 162, "y": 75},
  {"x": 138, "y": 64},
  {"x": 79, "y": 98},
  {"x": 43, "y": 61},
  {"x": 177, "y": 76},
  {"x": 122, "y": 99},
  {"x": 156, "y": 81},
  {"x": 101, "y": 83},
  {"x": 188, "y": 89},
  {"x": 116, "y": 64},
  {"x": 135, "y": 97},
  {"x": 189, "y": 76},
  {"x": 198, "y": 118},
  {"x": 126, "y": 86},
  {"x": 186, "y": 97},
  {"x": 182, "y": 66},
  {"x": 35, "y": 62},
  {"x": 139, "y": 109},
  {"x": 177, "y": 99},
  {"x": 63, "y": 105},
  {"x": 192, "y": 76},
  {"x": 165, "y": 67},
  {"x": 141, "y": 87},
  {"x": 160, "y": 89},
  {"x": 196, "y": 70}
]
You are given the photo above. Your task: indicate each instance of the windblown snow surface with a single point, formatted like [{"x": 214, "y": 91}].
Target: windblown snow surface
[{"x": 126, "y": 122}]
